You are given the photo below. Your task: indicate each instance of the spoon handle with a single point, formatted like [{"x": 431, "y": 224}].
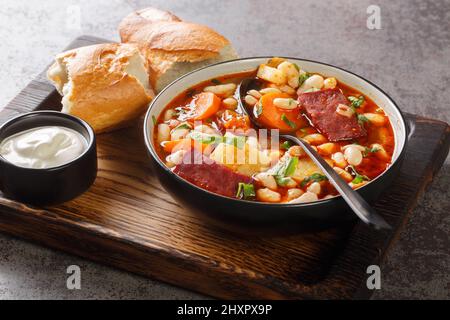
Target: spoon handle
[{"x": 359, "y": 206}]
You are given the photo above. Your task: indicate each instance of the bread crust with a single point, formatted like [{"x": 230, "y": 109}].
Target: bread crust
[
  {"x": 165, "y": 40},
  {"x": 135, "y": 20},
  {"x": 102, "y": 92}
]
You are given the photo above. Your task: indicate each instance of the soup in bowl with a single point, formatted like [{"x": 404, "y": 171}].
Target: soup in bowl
[{"x": 210, "y": 156}]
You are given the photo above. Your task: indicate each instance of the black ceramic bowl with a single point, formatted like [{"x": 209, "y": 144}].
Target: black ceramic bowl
[
  {"x": 249, "y": 215},
  {"x": 53, "y": 185}
]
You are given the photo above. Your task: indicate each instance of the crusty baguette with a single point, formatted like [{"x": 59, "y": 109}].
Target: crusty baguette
[
  {"x": 105, "y": 84},
  {"x": 173, "y": 47}
]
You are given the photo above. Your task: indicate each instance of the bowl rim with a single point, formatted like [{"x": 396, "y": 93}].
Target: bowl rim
[
  {"x": 57, "y": 114},
  {"x": 151, "y": 150}
]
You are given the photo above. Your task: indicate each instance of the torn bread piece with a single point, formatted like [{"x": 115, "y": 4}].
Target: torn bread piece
[
  {"x": 173, "y": 47},
  {"x": 106, "y": 84}
]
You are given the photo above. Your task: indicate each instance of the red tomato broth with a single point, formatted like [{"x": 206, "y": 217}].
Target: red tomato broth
[{"x": 225, "y": 119}]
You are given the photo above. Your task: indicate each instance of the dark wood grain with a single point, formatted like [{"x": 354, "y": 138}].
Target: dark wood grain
[{"x": 128, "y": 221}]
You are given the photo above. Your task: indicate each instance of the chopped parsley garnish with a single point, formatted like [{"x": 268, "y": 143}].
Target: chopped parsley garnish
[
  {"x": 282, "y": 181},
  {"x": 359, "y": 179},
  {"x": 315, "y": 177},
  {"x": 296, "y": 67},
  {"x": 361, "y": 118},
  {"x": 237, "y": 141},
  {"x": 245, "y": 191},
  {"x": 286, "y": 145},
  {"x": 356, "y": 102},
  {"x": 183, "y": 126},
  {"x": 303, "y": 77},
  {"x": 216, "y": 81},
  {"x": 205, "y": 138},
  {"x": 285, "y": 171},
  {"x": 287, "y": 121},
  {"x": 154, "y": 120},
  {"x": 291, "y": 166},
  {"x": 369, "y": 150}
]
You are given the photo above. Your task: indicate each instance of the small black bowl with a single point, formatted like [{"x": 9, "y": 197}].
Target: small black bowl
[{"x": 52, "y": 185}]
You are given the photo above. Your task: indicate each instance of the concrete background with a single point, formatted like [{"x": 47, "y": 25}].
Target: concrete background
[{"x": 408, "y": 57}]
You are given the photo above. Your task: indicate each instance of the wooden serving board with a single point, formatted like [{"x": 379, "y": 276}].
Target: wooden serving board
[{"x": 128, "y": 221}]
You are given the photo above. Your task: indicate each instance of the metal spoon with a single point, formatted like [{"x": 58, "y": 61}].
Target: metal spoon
[{"x": 359, "y": 206}]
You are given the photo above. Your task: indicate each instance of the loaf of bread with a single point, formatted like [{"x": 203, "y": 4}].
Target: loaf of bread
[
  {"x": 106, "y": 85},
  {"x": 173, "y": 47}
]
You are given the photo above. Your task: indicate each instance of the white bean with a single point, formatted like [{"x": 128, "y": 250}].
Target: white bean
[
  {"x": 269, "y": 90},
  {"x": 163, "y": 132},
  {"x": 344, "y": 174},
  {"x": 330, "y": 83},
  {"x": 306, "y": 197},
  {"x": 315, "y": 138},
  {"x": 345, "y": 110},
  {"x": 294, "y": 193},
  {"x": 230, "y": 103},
  {"x": 250, "y": 100},
  {"x": 268, "y": 195},
  {"x": 296, "y": 151},
  {"x": 357, "y": 146},
  {"x": 254, "y": 93},
  {"x": 175, "y": 158},
  {"x": 327, "y": 148},
  {"x": 177, "y": 134},
  {"x": 314, "y": 188},
  {"x": 223, "y": 90},
  {"x": 267, "y": 180},
  {"x": 291, "y": 72},
  {"x": 287, "y": 89},
  {"x": 339, "y": 159},
  {"x": 285, "y": 103},
  {"x": 315, "y": 81},
  {"x": 353, "y": 156}
]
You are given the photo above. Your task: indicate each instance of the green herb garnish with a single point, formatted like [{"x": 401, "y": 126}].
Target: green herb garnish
[
  {"x": 282, "y": 181},
  {"x": 361, "y": 118},
  {"x": 245, "y": 191},
  {"x": 183, "y": 126},
  {"x": 205, "y": 138},
  {"x": 303, "y": 77},
  {"x": 284, "y": 173},
  {"x": 237, "y": 141},
  {"x": 215, "y": 81},
  {"x": 286, "y": 145},
  {"x": 287, "y": 121},
  {"x": 296, "y": 67},
  {"x": 291, "y": 166},
  {"x": 356, "y": 102},
  {"x": 360, "y": 178},
  {"x": 374, "y": 149},
  {"x": 315, "y": 177},
  {"x": 154, "y": 120}
]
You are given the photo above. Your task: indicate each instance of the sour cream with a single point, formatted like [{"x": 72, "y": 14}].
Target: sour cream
[{"x": 43, "y": 147}]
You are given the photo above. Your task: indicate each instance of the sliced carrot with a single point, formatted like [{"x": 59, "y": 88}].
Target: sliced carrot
[
  {"x": 206, "y": 104},
  {"x": 276, "y": 118}
]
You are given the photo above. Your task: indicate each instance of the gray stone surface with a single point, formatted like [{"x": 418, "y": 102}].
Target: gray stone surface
[{"x": 408, "y": 57}]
